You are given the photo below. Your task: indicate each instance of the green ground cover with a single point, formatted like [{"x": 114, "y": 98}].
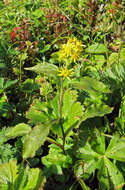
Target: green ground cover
[{"x": 62, "y": 95}]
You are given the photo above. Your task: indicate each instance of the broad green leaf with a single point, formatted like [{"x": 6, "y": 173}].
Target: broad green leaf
[
  {"x": 99, "y": 59},
  {"x": 34, "y": 140},
  {"x": 96, "y": 110},
  {"x": 114, "y": 174},
  {"x": 29, "y": 86},
  {"x": 1, "y": 83},
  {"x": 116, "y": 149},
  {"x": 103, "y": 176},
  {"x": 8, "y": 172},
  {"x": 97, "y": 49},
  {"x": 85, "y": 168},
  {"x": 35, "y": 179},
  {"x": 44, "y": 68},
  {"x": 38, "y": 13},
  {"x": 37, "y": 112},
  {"x": 9, "y": 83},
  {"x": 90, "y": 85},
  {"x": 87, "y": 153},
  {"x": 19, "y": 130},
  {"x": 67, "y": 103},
  {"x": 113, "y": 58},
  {"x": 21, "y": 179},
  {"x": 55, "y": 106},
  {"x": 75, "y": 113},
  {"x": 46, "y": 48},
  {"x": 98, "y": 144},
  {"x": 35, "y": 116},
  {"x": 83, "y": 185},
  {"x": 56, "y": 159},
  {"x": 122, "y": 55}
]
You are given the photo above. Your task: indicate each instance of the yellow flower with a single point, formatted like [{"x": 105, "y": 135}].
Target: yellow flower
[
  {"x": 65, "y": 73},
  {"x": 70, "y": 51}
]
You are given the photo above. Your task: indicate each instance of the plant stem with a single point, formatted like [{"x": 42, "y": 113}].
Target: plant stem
[
  {"x": 60, "y": 113},
  {"x": 54, "y": 142},
  {"x": 20, "y": 70}
]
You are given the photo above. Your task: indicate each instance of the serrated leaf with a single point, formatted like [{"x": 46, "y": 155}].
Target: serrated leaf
[
  {"x": 97, "y": 49},
  {"x": 35, "y": 116},
  {"x": 99, "y": 59},
  {"x": 113, "y": 58},
  {"x": 116, "y": 149},
  {"x": 56, "y": 159},
  {"x": 8, "y": 172},
  {"x": 67, "y": 103},
  {"x": 19, "y": 130},
  {"x": 122, "y": 55},
  {"x": 29, "y": 86},
  {"x": 96, "y": 110},
  {"x": 114, "y": 174},
  {"x": 98, "y": 145},
  {"x": 90, "y": 85},
  {"x": 34, "y": 140},
  {"x": 55, "y": 106},
  {"x": 35, "y": 179},
  {"x": 87, "y": 153},
  {"x": 44, "y": 68},
  {"x": 38, "y": 13},
  {"x": 9, "y": 83},
  {"x": 37, "y": 112}
]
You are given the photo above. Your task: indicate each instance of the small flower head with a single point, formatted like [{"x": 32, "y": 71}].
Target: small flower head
[
  {"x": 70, "y": 51},
  {"x": 65, "y": 72}
]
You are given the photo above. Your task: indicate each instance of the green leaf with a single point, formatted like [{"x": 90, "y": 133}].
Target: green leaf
[
  {"x": 90, "y": 85},
  {"x": 8, "y": 172},
  {"x": 44, "y": 68},
  {"x": 10, "y": 83},
  {"x": 38, "y": 13},
  {"x": 35, "y": 179},
  {"x": 116, "y": 149},
  {"x": 54, "y": 104},
  {"x": 19, "y": 130},
  {"x": 37, "y": 112},
  {"x": 103, "y": 176},
  {"x": 87, "y": 153},
  {"x": 122, "y": 55},
  {"x": 67, "y": 103},
  {"x": 35, "y": 116},
  {"x": 98, "y": 144},
  {"x": 83, "y": 185},
  {"x": 46, "y": 48},
  {"x": 1, "y": 83},
  {"x": 29, "y": 86},
  {"x": 96, "y": 110},
  {"x": 114, "y": 174},
  {"x": 34, "y": 140},
  {"x": 113, "y": 58},
  {"x": 75, "y": 113},
  {"x": 97, "y": 49},
  {"x": 99, "y": 59},
  {"x": 56, "y": 159}
]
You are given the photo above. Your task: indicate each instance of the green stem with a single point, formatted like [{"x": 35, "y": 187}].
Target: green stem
[
  {"x": 60, "y": 113},
  {"x": 20, "y": 70}
]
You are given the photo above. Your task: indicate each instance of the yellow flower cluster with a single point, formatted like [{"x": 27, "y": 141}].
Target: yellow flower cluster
[
  {"x": 70, "y": 51},
  {"x": 65, "y": 73}
]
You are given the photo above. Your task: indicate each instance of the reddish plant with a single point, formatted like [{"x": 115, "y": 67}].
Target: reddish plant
[{"x": 17, "y": 32}]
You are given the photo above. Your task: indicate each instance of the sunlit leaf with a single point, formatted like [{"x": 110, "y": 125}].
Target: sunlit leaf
[
  {"x": 34, "y": 140},
  {"x": 18, "y": 130}
]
